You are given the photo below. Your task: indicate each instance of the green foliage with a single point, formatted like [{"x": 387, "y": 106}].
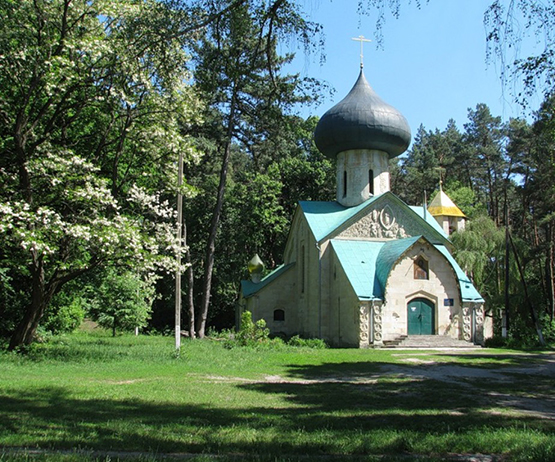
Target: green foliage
[
  {"x": 65, "y": 314},
  {"x": 510, "y": 28},
  {"x": 315, "y": 343},
  {"x": 252, "y": 334},
  {"x": 122, "y": 302},
  {"x": 93, "y": 96},
  {"x": 257, "y": 335}
]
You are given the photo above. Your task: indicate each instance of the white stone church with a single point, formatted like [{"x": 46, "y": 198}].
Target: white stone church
[{"x": 367, "y": 268}]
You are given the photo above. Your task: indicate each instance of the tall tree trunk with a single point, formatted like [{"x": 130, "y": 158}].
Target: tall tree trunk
[
  {"x": 506, "y": 320},
  {"x": 533, "y": 316},
  {"x": 550, "y": 275},
  {"x": 211, "y": 245},
  {"x": 190, "y": 286},
  {"x": 41, "y": 294},
  {"x": 191, "y": 298}
]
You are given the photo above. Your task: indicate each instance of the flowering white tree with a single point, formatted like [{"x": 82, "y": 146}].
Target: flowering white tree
[{"x": 94, "y": 95}]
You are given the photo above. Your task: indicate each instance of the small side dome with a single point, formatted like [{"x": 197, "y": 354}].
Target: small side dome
[
  {"x": 256, "y": 268},
  {"x": 362, "y": 120}
]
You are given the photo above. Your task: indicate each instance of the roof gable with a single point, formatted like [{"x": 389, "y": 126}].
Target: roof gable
[
  {"x": 368, "y": 264},
  {"x": 325, "y": 217},
  {"x": 249, "y": 288},
  {"x": 469, "y": 293},
  {"x": 381, "y": 217}
]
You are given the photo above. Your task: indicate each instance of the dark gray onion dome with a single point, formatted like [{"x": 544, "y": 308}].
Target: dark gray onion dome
[{"x": 362, "y": 120}]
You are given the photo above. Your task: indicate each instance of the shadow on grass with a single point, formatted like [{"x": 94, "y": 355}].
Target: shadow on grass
[{"x": 345, "y": 408}]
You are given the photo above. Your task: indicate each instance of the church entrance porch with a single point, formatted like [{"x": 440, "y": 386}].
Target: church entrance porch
[{"x": 420, "y": 317}]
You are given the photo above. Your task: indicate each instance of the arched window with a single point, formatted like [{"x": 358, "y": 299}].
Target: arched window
[
  {"x": 279, "y": 315},
  {"x": 421, "y": 270},
  {"x": 371, "y": 182}
]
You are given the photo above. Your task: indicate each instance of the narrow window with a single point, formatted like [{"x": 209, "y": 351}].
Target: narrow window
[
  {"x": 279, "y": 315},
  {"x": 371, "y": 182},
  {"x": 421, "y": 268},
  {"x": 302, "y": 269},
  {"x": 344, "y": 183}
]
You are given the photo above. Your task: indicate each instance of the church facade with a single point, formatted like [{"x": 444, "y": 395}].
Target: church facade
[{"x": 367, "y": 268}]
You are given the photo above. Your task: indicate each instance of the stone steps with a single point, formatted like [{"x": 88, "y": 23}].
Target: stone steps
[{"x": 428, "y": 341}]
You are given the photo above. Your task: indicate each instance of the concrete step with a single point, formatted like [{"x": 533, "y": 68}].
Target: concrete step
[{"x": 429, "y": 341}]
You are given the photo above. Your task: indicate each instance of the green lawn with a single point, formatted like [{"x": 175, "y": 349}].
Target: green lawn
[{"x": 96, "y": 393}]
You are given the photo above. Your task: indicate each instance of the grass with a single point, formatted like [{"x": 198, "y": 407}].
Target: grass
[{"x": 102, "y": 396}]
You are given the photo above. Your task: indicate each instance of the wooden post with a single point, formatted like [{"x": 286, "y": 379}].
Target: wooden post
[{"x": 179, "y": 236}]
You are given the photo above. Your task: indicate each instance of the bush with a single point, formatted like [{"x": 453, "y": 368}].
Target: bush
[
  {"x": 316, "y": 343},
  {"x": 64, "y": 315},
  {"x": 257, "y": 335},
  {"x": 122, "y": 301},
  {"x": 495, "y": 342},
  {"x": 251, "y": 333}
]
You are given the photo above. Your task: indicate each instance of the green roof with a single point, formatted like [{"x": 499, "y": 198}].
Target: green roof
[
  {"x": 429, "y": 218},
  {"x": 469, "y": 293},
  {"x": 368, "y": 264},
  {"x": 389, "y": 255},
  {"x": 249, "y": 288},
  {"x": 325, "y": 217},
  {"x": 358, "y": 259}
]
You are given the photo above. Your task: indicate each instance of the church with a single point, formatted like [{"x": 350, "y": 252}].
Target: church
[{"x": 367, "y": 268}]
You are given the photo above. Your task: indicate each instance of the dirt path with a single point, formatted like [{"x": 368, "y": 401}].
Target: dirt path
[{"x": 535, "y": 371}]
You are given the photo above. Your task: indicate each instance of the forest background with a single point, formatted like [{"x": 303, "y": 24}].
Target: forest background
[{"x": 100, "y": 99}]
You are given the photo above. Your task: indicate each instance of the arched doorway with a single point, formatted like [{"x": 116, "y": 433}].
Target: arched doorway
[{"x": 420, "y": 317}]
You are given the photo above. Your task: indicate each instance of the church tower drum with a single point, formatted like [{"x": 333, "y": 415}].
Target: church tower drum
[{"x": 363, "y": 133}]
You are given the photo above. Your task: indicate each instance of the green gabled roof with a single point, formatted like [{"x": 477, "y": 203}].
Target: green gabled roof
[
  {"x": 429, "y": 218},
  {"x": 469, "y": 293},
  {"x": 368, "y": 265},
  {"x": 249, "y": 288},
  {"x": 358, "y": 259},
  {"x": 389, "y": 255},
  {"x": 325, "y": 217}
]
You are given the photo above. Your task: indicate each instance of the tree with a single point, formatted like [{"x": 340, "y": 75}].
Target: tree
[
  {"x": 238, "y": 69},
  {"x": 483, "y": 139},
  {"x": 122, "y": 301},
  {"x": 259, "y": 202},
  {"x": 92, "y": 101},
  {"x": 431, "y": 158},
  {"x": 479, "y": 249},
  {"x": 509, "y": 24},
  {"x": 538, "y": 197}
]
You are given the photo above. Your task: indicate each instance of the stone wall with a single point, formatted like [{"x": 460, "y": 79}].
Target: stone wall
[
  {"x": 344, "y": 308},
  {"x": 402, "y": 287},
  {"x": 277, "y": 295}
]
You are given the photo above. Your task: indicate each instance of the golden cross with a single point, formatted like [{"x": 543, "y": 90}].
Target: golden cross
[{"x": 361, "y": 39}]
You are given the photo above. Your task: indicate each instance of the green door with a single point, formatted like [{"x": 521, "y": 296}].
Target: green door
[{"x": 420, "y": 316}]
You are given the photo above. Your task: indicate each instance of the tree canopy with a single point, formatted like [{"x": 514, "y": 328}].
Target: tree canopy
[{"x": 99, "y": 97}]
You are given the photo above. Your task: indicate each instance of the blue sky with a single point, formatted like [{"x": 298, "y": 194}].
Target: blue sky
[{"x": 432, "y": 66}]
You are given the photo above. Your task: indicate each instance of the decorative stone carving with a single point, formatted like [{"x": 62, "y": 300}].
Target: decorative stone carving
[
  {"x": 467, "y": 323},
  {"x": 378, "y": 324},
  {"x": 479, "y": 323},
  {"x": 383, "y": 223},
  {"x": 364, "y": 325}
]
